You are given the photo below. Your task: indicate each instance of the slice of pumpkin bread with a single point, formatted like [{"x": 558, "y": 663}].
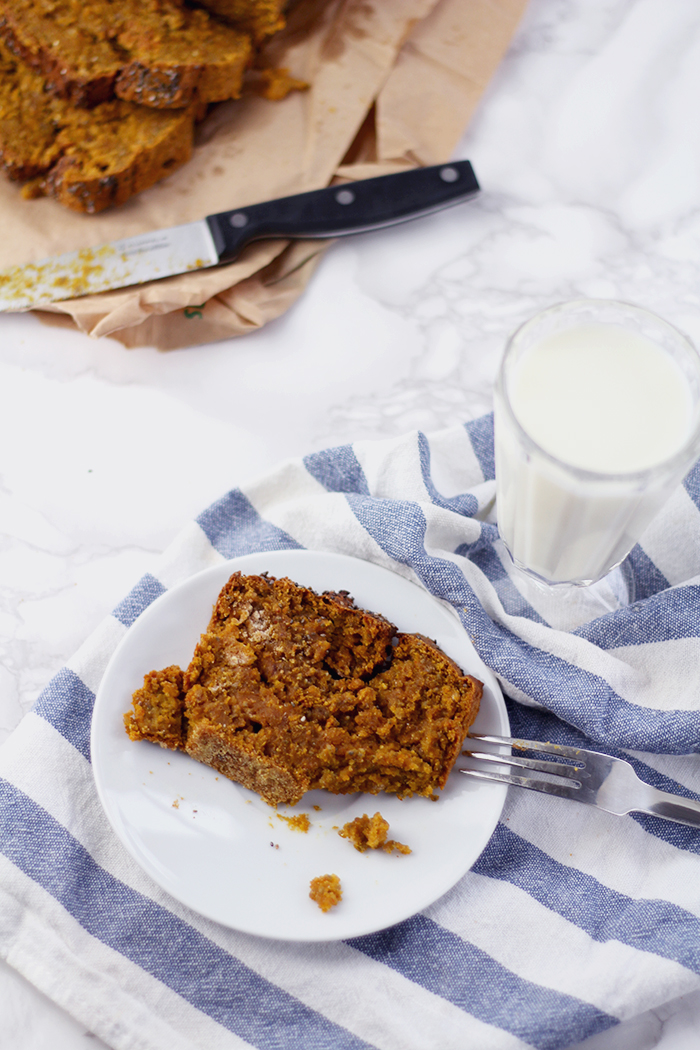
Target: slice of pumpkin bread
[
  {"x": 289, "y": 690},
  {"x": 158, "y": 53},
  {"x": 86, "y": 159},
  {"x": 176, "y": 53}
]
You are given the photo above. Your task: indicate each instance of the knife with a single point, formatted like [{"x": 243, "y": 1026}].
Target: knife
[{"x": 337, "y": 211}]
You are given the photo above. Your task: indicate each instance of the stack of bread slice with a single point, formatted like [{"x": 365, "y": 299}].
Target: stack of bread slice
[{"x": 98, "y": 98}]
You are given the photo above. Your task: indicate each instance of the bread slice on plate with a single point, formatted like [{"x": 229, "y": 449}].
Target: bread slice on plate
[{"x": 289, "y": 690}]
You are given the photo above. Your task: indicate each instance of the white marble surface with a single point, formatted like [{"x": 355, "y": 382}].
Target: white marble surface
[{"x": 587, "y": 145}]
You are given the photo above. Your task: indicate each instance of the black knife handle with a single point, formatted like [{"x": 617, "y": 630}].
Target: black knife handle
[{"x": 353, "y": 207}]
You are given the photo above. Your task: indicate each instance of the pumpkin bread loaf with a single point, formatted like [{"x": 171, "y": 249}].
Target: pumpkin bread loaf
[
  {"x": 289, "y": 690},
  {"x": 158, "y": 53},
  {"x": 86, "y": 159}
]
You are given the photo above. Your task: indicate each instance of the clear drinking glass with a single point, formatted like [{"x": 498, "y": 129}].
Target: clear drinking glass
[{"x": 597, "y": 419}]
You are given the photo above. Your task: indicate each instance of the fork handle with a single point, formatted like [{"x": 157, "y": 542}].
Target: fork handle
[{"x": 672, "y": 808}]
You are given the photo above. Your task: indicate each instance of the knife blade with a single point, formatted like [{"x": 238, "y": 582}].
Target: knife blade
[{"x": 337, "y": 211}]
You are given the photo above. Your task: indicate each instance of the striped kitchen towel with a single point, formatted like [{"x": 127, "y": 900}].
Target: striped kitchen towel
[{"x": 571, "y": 919}]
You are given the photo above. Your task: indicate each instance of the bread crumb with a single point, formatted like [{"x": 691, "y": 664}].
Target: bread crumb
[
  {"x": 300, "y": 822},
  {"x": 276, "y": 84},
  {"x": 370, "y": 833},
  {"x": 326, "y": 891}
]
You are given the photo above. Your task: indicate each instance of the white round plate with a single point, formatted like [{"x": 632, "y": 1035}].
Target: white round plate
[{"x": 219, "y": 848}]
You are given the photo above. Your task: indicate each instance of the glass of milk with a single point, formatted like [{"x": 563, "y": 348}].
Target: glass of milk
[{"x": 597, "y": 419}]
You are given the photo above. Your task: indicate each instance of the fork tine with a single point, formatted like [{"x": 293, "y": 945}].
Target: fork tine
[
  {"x": 541, "y": 765},
  {"x": 548, "y": 787},
  {"x": 578, "y": 754}
]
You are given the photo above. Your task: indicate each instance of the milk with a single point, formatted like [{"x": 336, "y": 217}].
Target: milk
[
  {"x": 602, "y": 398},
  {"x": 602, "y": 408}
]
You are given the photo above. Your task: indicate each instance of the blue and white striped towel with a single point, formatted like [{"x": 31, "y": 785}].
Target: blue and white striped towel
[{"x": 571, "y": 919}]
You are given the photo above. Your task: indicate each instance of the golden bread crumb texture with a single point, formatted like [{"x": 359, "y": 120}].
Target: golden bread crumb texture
[{"x": 326, "y": 891}]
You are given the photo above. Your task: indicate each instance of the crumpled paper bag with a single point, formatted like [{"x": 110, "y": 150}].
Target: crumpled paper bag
[{"x": 392, "y": 86}]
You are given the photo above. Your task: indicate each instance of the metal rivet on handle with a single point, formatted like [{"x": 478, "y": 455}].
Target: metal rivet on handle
[
  {"x": 238, "y": 219},
  {"x": 449, "y": 174},
  {"x": 345, "y": 196}
]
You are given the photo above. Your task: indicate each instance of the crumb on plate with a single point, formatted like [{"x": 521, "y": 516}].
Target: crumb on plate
[
  {"x": 299, "y": 822},
  {"x": 326, "y": 891},
  {"x": 370, "y": 833}
]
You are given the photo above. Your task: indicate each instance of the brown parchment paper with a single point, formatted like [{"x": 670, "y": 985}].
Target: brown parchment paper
[{"x": 393, "y": 85}]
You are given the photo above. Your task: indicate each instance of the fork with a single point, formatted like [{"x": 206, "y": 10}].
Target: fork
[{"x": 587, "y": 776}]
